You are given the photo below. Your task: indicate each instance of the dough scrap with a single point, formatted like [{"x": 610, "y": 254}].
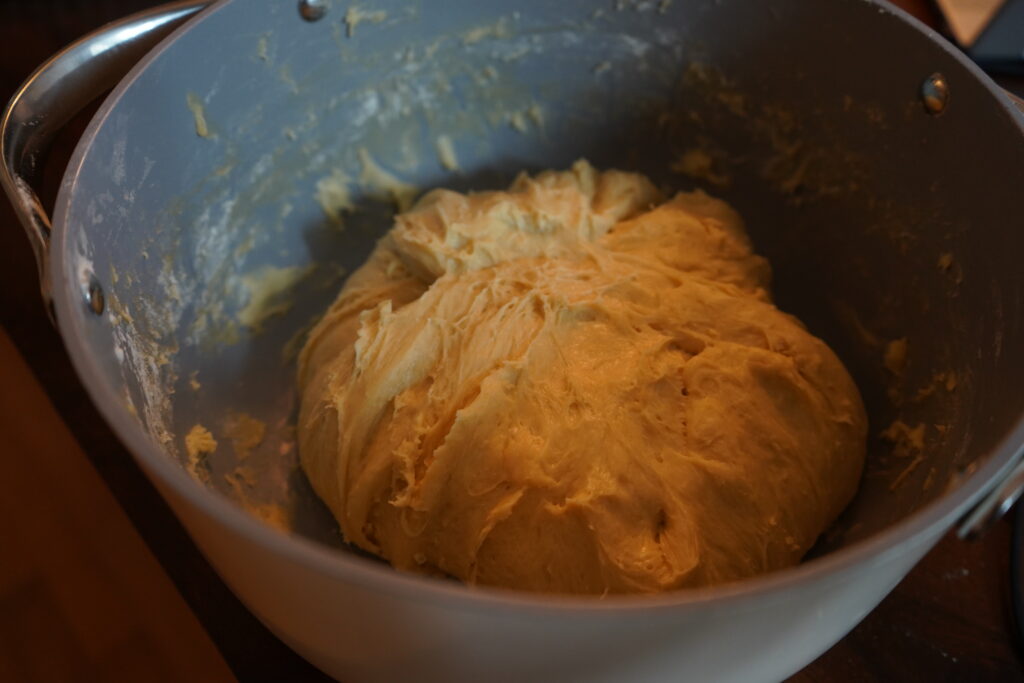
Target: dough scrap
[
  {"x": 199, "y": 443},
  {"x": 573, "y": 386}
]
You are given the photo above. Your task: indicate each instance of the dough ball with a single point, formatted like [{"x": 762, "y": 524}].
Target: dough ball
[{"x": 574, "y": 386}]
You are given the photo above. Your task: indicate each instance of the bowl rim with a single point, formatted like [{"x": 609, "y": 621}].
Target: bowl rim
[{"x": 939, "y": 514}]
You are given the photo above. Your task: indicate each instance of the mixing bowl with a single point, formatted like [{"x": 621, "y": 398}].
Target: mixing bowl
[{"x": 248, "y": 162}]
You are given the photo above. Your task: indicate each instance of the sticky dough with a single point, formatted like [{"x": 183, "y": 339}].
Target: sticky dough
[{"x": 571, "y": 386}]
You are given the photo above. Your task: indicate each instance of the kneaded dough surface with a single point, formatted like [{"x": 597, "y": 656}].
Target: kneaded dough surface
[{"x": 575, "y": 386}]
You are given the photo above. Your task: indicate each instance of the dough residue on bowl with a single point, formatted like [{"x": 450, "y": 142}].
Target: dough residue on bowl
[
  {"x": 575, "y": 386},
  {"x": 199, "y": 443}
]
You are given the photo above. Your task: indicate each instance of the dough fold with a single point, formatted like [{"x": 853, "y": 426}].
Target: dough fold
[{"x": 572, "y": 386}]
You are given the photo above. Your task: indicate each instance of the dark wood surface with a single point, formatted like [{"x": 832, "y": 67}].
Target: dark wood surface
[
  {"x": 948, "y": 621},
  {"x": 81, "y": 597}
]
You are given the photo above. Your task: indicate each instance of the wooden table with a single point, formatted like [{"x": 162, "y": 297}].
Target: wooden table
[{"x": 123, "y": 594}]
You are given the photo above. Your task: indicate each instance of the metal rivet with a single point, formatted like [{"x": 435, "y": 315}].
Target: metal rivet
[
  {"x": 312, "y": 10},
  {"x": 94, "y": 298},
  {"x": 935, "y": 94}
]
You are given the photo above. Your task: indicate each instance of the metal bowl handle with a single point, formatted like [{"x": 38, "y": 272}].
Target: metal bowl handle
[
  {"x": 56, "y": 91},
  {"x": 994, "y": 505}
]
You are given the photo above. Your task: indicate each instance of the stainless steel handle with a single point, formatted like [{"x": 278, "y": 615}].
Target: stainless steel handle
[
  {"x": 994, "y": 505},
  {"x": 1015, "y": 101},
  {"x": 56, "y": 91}
]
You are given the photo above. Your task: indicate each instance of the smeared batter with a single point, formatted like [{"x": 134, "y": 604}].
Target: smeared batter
[{"x": 573, "y": 386}]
